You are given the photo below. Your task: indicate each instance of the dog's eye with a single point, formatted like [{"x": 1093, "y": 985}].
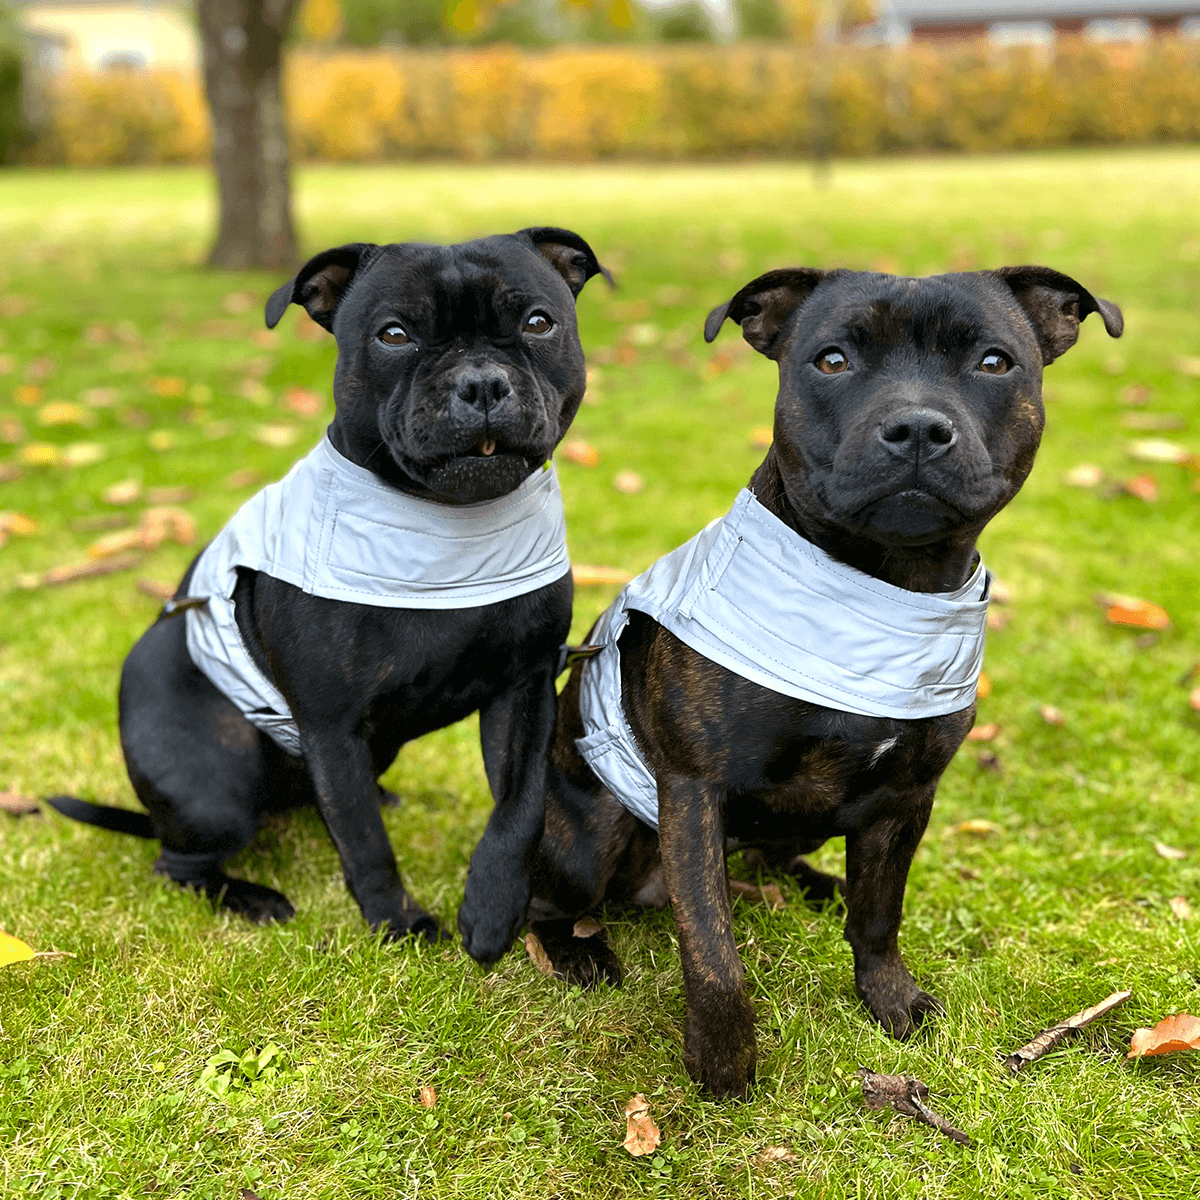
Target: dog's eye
[
  {"x": 537, "y": 322},
  {"x": 994, "y": 363},
  {"x": 831, "y": 361},
  {"x": 393, "y": 335}
]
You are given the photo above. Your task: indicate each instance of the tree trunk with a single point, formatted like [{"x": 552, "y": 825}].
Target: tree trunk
[{"x": 243, "y": 44}]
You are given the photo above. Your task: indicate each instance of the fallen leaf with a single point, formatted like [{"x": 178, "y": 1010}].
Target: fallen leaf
[
  {"x": 237, "y": 303},
  {"x": 11, "y": 431},
  {"x": 18, "y": 806},
  {"x": 118, "y": 543},
  {"x": 1153, "y": 423},
  {"x": 264, "y": 337},
  {"x": 61, "y": 413},
  {"x": 167, "y": 386},
  {"x": 1194, "y": 699},
  {"x": 1049, "y": 1038},
  {"x": 979, "y": 827},
  {"x": 17, "y": 524},
  {"x": 537, "y": 954},
  {"x": 1187, "y": 365},
  {"x": 589, "y": 576},
  {"x": 12, "y": 949},
  {"x": 278, "y": 437},
  {"x": 169, "y": 495},
  {"x": 629, "y": 482},
  {"x": 135, "y": 418},
  {"x": 768, "y": 894},
  {"x": 39, "y": 454},
  {"x": 246, "y": 477},
  {"x": 1156, "y": 450},
  {"x": 1129, "y": 610},
  {"x": 991, "y": 762},
  {"x": 14, "y": 306},
  {"x": 100, "y": 397},
  {"x": 997, "y": 620},
  {"x": 1169, "y": 1036},
  {"x": 641, "y": 1133},
  {"x": 645, "y": 333},
  {"x": 163, "y": 522},
  {"x": 1051, "y": 715},
  {"x": 984, "y": 687},
  {"x": 9, "y": 472},
  {"x": 583, "y": 454},
  {"x": 255, "y": 391},
  {"x": 587, "y": 927},
  {"x": 428, "y": 1096},
  {"x": 1165, "y": 851},
  {"x": 773, "y": 1154},
  {"x": 156, "y": 590},
  {"x": 161, "y": 440},
  {"x": 762, "y": 438},
  {"x": 303, "y": 402},
  {"x": 1135, "y": 393},
  {"x": 999, "y": 592},
  {"x": 125, "y": 492},
  {"x": 983, "y": 733},
  {"x": 1085, "y": 475},
  {"x": 1179, "y": 906},
  {"x": 1143, "y": 487},
  {"x": 27, "y": 394},
  {"x": 82, "y": 454}
]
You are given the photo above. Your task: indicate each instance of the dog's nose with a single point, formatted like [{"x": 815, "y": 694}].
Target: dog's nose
[
  {"x": 482, "y": 388},
  {"x": 921, "y": 433}
]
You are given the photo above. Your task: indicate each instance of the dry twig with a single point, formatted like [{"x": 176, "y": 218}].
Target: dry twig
[{"x": 906, "y": 1095}]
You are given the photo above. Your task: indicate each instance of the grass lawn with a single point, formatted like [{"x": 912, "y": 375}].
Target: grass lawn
[{"x": 104, "y": 1090}]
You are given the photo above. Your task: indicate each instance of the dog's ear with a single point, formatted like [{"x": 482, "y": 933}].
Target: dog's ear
[
  {"x": 1055, "y": 304},
  {"x": 764, "y": 305},
  {"x": 568, "y": 254},
  {"x": 321, "y": 283}
]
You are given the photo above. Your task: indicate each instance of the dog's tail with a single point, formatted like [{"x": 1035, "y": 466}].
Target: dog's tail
[{"x": 107, "y": 816}]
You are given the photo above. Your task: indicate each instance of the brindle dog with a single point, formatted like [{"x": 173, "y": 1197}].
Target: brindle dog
[{"x": 908, "y": 415}]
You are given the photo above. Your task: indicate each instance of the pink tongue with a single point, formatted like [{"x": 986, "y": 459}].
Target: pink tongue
[{"x": 487, "y": 448}]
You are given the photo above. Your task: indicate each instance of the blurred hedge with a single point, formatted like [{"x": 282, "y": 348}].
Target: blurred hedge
[{"x": 678, "y": 102}]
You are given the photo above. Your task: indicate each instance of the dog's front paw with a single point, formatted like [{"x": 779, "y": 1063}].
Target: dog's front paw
[
  {"x": 895, "y": 1000},
  {"x": 720, "y": 1050},
  {"x": 490, "y": 917}
]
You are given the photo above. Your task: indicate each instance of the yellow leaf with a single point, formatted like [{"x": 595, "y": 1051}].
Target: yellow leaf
[
  {"x": 589, "y": 576},
  {"x": 278, "y": 437},
  {"x": 39, "y": 454},
  {"x": 13, "y": 950},
  {"x": 1158, "y": 450},
  {"x": 983, "y": 733},
  {"x": 978, "y": 827},
  {"x": 584, "y": 454},
  {"x": 125, "y": 492},
  {"x": 428, "y": 1097},
  {"x": 538, "y": 955},
  {"x": 82, "y": 454}
]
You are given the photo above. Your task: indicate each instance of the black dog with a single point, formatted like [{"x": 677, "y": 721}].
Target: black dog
[
  {"x": 459, "y": 370},
  {"x": 909, "y": 412}
]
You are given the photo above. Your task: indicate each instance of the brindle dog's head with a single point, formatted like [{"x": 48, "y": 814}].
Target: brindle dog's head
[
  {"x": 459, "y": 367},
  {"x": 909, "y": 410}
]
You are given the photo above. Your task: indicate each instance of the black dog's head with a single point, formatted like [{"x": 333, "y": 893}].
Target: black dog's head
[
  {"x": 459, "y": 367},
  {"x": 909, "y": 410}
]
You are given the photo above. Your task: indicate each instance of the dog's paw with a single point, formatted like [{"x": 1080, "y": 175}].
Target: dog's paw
[
  {"x": 490, "y": 917},
  {"x": 415, "y": 923},
  {"x": 584, "y": 962},
  {"x": 720, "y": 1048},
  {"x": 896, "y": 1001},
  {"x": 253, "y": 901}
]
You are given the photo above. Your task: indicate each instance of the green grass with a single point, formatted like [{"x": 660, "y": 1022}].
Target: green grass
[{"x": 102, "y": 1056}]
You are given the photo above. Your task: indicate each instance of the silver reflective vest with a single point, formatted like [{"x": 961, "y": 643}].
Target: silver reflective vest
[
  {"x": 337, "y": 530},
  {"x": 751, "y": 594}
]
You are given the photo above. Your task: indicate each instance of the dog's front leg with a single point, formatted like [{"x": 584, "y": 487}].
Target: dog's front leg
[
  {"x": 515, "y": 729},
  {"x": 877, "y": 861},
  {"x": 348, "y": 798},
  {"x": 719, "y": 1045}
]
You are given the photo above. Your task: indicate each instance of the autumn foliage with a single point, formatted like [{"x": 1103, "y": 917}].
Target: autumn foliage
[{"x": 654, "y": 102}]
